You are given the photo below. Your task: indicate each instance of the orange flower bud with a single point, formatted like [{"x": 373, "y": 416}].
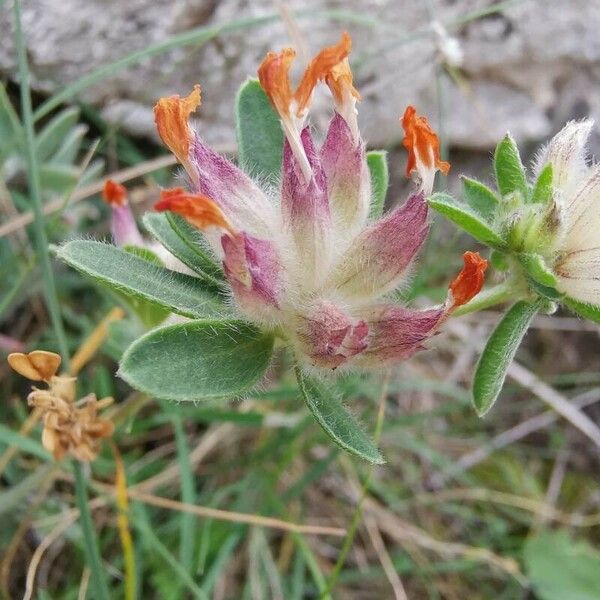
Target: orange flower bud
[
  {"x": 114, "y": 193},
  {"x": 469, "y": 281},
  {"x": 171, "y": 117},
  {"x": 199, "y": 210}
]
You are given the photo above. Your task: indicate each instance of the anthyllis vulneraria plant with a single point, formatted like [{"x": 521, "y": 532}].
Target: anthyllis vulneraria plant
[
  {"x": 544, "y": 233},
  {"x": 69, "y": 426},
  {"x": 307, "y": 257}
]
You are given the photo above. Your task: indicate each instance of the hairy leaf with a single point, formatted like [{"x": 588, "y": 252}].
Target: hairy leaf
[
  {"x": 159, "y": 226},
  {"x": 149, "y": 313},
  {"x": 466, "y": 219},
  {"x": 380, "y": 180},
  {"x": 198, "y": 360},
  {"x": 335, "y": 420},
  {"x": 588, "y": 311},
  {"x": 139, "y": 278},
  {"x": 259, "y": 133},
  {"x": 480, "y": 198},
  {"x": 537, "y": 269},
  {"x": 542, "y": 190},
  {"x": 510, "y": 174},
  {"x": 499, "y": 353},
  {"x": 197, "y": 244}
]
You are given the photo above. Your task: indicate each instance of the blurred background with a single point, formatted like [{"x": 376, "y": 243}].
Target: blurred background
[{"x": 505, "y": 508}]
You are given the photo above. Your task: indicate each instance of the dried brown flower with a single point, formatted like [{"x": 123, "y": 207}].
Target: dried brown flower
[{"x": 69, "y": 427}]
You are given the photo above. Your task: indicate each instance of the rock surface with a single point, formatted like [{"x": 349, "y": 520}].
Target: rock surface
[{"x": 527, "y": 69}]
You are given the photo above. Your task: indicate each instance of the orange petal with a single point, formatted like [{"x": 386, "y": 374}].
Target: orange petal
[
  {"x": 331, "y": 64},
  {"x": 274, "y": 77},
  {"x": 422, "y": 143},
  {"x": 339, "y": 79},
  {"x": 199, "y": 210},
  {"x": 171, "y": 117},
  {"x": 114, "y": 193},
  {"x": 469, "y": 281},
  {"x": 38, "y": 365}
]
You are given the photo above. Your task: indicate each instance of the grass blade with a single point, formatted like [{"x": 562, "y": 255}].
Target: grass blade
[
  {"x": 92, "y": 550},
  {"x": 33, "y": 175}
]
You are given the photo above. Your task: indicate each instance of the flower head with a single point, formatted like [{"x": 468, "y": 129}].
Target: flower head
[
  {"x": 69, "y": 427},
  {"x": 313, "y": 266},
  {"x": 575, "y": 204}
]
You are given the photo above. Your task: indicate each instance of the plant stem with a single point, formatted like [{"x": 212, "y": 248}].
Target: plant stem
[
  {"x": 357, "y": 516},
  {"x": 503, "y": 292},
  {"x": 41, "y": 241},
  {"x": 92, "y": 550}
]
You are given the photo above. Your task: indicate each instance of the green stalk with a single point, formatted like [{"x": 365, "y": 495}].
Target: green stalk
[
  {"x": 33, "y": 175},
  {"x": 499, "y": 294},
  {"x": 358, "y": 511},
  {"x": 187, "y": 530},
  {"x": 92, "y": 550}
]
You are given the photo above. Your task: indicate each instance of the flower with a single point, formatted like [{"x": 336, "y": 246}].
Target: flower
[
  {"x": 123, "y": 227},
  {"x": 575, "y": 251},
  {"x": 69, "y": 427},
  {"x": 423, "y": 148},
  {"x": 313, "y": 266},
  {"x": 125, "y": 231}
]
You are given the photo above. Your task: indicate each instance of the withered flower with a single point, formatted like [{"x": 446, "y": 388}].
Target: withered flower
[{"x": 69, "y": 427}]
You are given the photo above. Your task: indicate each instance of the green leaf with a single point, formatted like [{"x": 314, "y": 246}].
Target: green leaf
[
  {"x": 259, "y": 133},
  {"x": 197, "y": 244},
  {"x": 58, "y": 178},
  {"x": 198, "y": 360},
  {"x": 480, "y": 198},
  {"x": 587, "y": 311},
  {"x": 149, "y": 313},
  {"x": 335, "y": 420},
  {"x": 542, "y": 190},
  {"x": 466, "y": 219},
  {"x": 537, "y": 269},
  {"x": 510, "y": 174},
  {"x": 499, "y": 353},
  {"x": 54, "y": 133},
  {"x": 380, "y": 180},
  {"x": 144, "y": 253},
  {"x": 139, "y": 278},
  {"x": 545, "y": 291},
  {"x": 159, "y": 226},
  {"x": 561, "y": 568},
  {"x": 70, "y": 146}
]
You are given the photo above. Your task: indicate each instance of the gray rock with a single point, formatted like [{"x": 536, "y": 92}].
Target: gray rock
[{"x": 526, "y": 69}]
